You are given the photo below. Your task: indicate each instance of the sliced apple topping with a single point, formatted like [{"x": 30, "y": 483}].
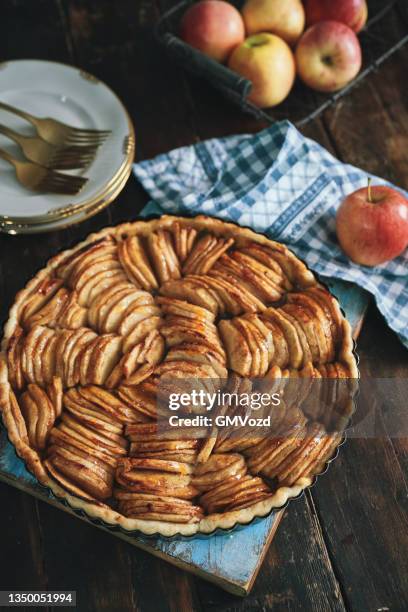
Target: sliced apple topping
[
  {"x": 283, "y": 261},
  {"x": 218, "y": 469},
  {"x": 141, "y": 400},
  {"x": 195, "y": 290},
  {"x": 144, "y": 319},
  {"x": 87, "y": 444},
  {"x": 138, "y": 363},
  {"x": 90, "y": 271},
  {"x": 38, "y": 297},
  {"x": 99, "y": 359},
  {"x": 50, "y": 311},
  {"x": 253, "y": 275},
  {"x": 309, "y": 452},
  {"x": 200, "y": 352},
  {"x": 177, "y": 329},
  {"x": 73, "y": 350},
  {"x": 157, "y": 507},
  {"x": 98, "y": 283},
  {"x": 332, "y": 310},
  {"x": 109, "y": 311},
  {"x": 82, "y": 469},
  {"x": 295, "y": 352},
  {"x": 234, "y": 494},
  {"x": 320, "y": 322},
  {"x": 237, "y": 348},
  {"x": 82, "y": 257},
  {"x": 28, "y": 352},
  {"x": 15, "y": 410},
  {"x": 182, "y": 308},
  {"x": 165, "y": 261},
  {"x": 207, "y": 250},
  {"x": 235, "y": 296},
  {"x": 184, "y": 238},
  {"x": 156, "y": 308},
  {"x": 170, "y": 482},
  {"x": 136, "y": 264},
  {"x": 40, "y": 407},
  {"x": 14, "y": 361}
]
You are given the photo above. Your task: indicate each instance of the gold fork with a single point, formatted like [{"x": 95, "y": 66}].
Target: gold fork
[
  {"x": 58, "y": 133},
  {"x": 40, "y": 152},
  {"x": 38, "y": 178}
]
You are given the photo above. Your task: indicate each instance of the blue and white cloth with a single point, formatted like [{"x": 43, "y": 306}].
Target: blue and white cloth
[{"x": 282, "y": 184}]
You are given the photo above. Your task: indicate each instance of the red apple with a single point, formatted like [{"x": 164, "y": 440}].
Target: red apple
[
  {"x": 328, "y": 56},
  {"x": 214, "y": 27},
  {"x": 353, "y": 13},
  {"x": 372, "y": 225}
]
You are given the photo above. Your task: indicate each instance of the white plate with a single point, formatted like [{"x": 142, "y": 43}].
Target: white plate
[
  {"x": 65, "y": 93},
  {"x": 12, "y": 228}
]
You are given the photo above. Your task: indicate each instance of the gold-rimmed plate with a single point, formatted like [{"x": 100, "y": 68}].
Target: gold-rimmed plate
[
  {"x": 75, "y": 97},
  {"x": 12, "y": 228}
]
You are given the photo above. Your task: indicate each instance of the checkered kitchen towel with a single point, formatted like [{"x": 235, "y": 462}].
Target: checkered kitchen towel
[{"x": 280, "y": 183}]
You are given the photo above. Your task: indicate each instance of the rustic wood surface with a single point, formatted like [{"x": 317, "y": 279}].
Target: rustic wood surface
[{"x": 344, "y": 545}]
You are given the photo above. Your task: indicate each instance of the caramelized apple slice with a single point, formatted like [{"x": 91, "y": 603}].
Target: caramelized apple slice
[
  {"x": 157, "y": 507},
  {"x": 28, "y": 353},
  {"x": 102, "y": 304},
  {"x": 252, "y": 274},
  {"x": 85, "y": 255},
  {"x": 194, "y": 291},
  {"x": 14, "y": 362},
  {"x": 217, "y": 469},
  {"x": 237, "y": 299},
  {"x": 85, "y": 473},
  {"x": 105, "y": 355},
  {"x": 99, "y": 283},
  {"x": 181, "y": 308},
  {"x": 304, "y": 319},
  {"x": 184, "y": 238},
  {"x": 48, "y": 314},
  {"x": 237, "y": 349},
  {"x": 120, "y": 307},
  {"x": 200, "y": 353},
  {"x": 77, "y": 344},
  {"x": 134, "y": 316},
  {"x": 42, "y": 342},
  {"x": 290, "y": 334},
  {"x": 321, "y": 324},
  {"x": 332, "y": 310},
  {"x": 136, "y": 264},
  {"x": 163, "y": 256},
  {"x": 306, "y": 352},
  {"x": 39, "y": 415},
  {"x": 140, "y": 331},
  {"x": 205, "y": 253},
  {"x": 38, "y": 297}
]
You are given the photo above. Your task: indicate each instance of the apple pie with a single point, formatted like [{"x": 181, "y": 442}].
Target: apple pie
[{"x": 92, "y": 335}]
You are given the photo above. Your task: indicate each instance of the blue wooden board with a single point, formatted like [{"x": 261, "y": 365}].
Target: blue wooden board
[{"x": 232, "y": 561}]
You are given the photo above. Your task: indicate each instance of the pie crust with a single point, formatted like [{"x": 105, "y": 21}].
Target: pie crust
[{"x": 90, "y": 334}]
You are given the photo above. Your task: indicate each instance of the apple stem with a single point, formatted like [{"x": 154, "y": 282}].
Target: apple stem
[{"x": 369, "y": 191}]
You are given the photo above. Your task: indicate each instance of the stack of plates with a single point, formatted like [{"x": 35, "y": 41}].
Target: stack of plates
[{"x": 47, "y": 89}]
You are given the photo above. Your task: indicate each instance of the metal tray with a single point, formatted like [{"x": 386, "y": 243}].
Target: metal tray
[{"x": 379, "y": 40}]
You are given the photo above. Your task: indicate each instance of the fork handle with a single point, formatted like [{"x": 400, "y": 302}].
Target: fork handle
[
  {"x": 17, "y": 111},
  {"x": 10, "y": 133},
  {"x": 6, "y": 156}
]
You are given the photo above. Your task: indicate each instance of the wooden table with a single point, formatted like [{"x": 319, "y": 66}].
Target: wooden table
[{"x": 344, "y": 544}]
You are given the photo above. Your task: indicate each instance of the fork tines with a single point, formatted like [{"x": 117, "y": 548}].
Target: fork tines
[
  {"x": 84, "y": 137},
  {"x": 57, "y": 182},
  {"x": 71, "y": 157}
]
